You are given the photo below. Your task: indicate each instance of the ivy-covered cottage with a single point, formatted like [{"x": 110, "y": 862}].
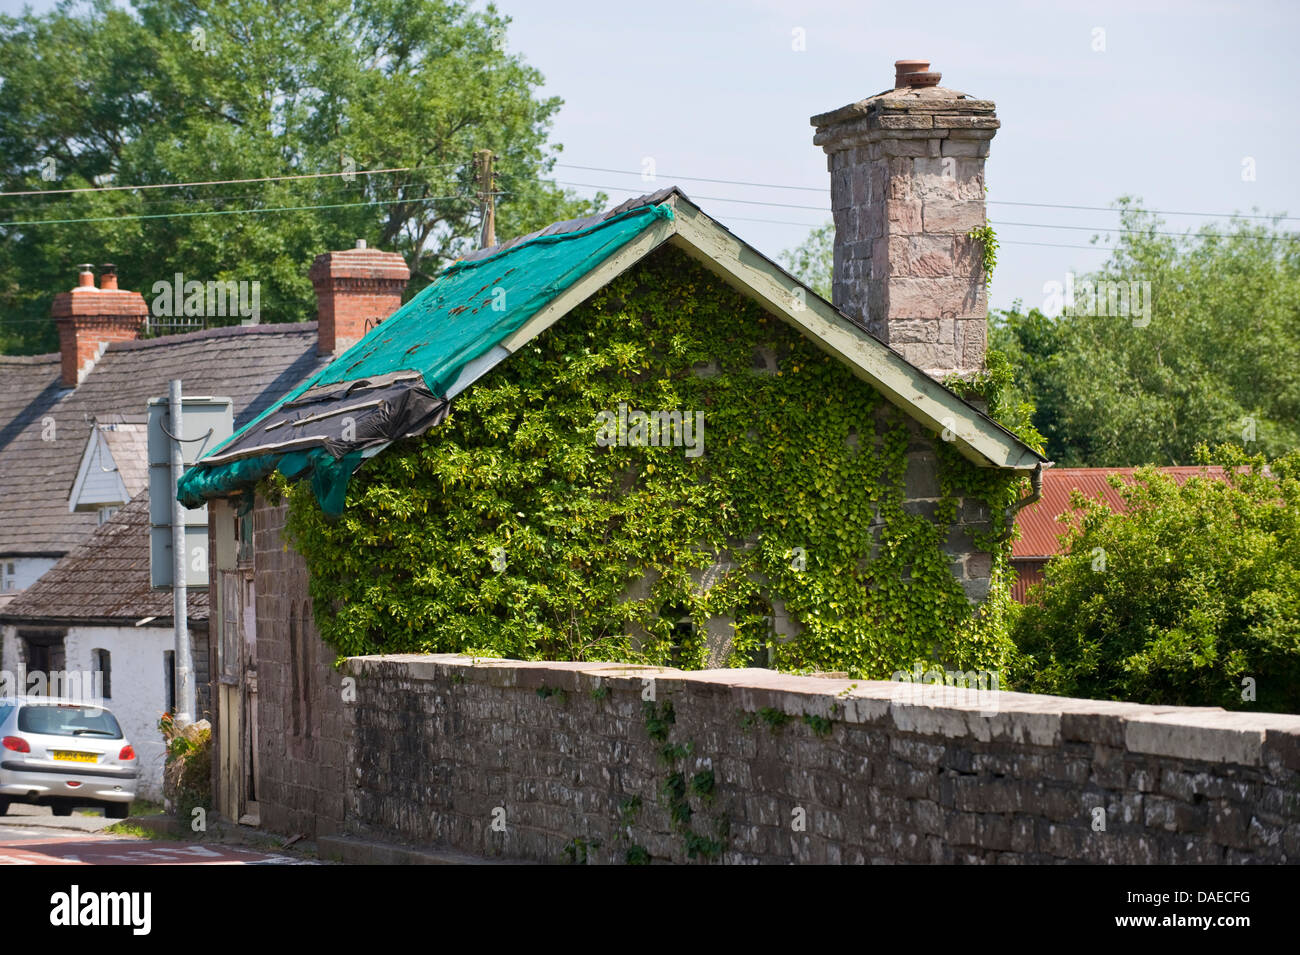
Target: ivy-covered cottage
[{"x": 630, "y": 437}]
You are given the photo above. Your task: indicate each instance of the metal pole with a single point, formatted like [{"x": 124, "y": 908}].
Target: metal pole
[{"x": 180, "y": 613}]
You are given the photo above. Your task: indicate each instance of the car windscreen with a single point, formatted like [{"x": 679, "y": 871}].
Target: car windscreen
[{"x": 65, "y": 720}]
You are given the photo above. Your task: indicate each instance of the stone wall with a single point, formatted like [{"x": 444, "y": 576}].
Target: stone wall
[
  {"x": 300, "y": 727},
  {"x": 907, "y": 188},
  {"x": 557, "y": 762}
]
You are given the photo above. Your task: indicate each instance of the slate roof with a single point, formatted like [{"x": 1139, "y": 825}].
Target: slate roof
[
  {"x": 252, "y": 365},
  {"x": 129, "y": 445},
  {"x": 105, "y": 580}
]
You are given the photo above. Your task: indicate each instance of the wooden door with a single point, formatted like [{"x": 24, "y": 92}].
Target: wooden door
[{"x": 230, "y": 734}]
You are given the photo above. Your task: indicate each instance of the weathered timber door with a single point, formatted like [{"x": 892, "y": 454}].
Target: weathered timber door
[{"x": 230, "y": 698}]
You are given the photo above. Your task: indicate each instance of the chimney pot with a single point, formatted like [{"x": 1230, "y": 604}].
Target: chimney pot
[
  {"x": 907, "y": 189},
  {"x": 356, "y": 289},
  {"x": 89, "y": 319},
  {"x": 904, "y": 67}
]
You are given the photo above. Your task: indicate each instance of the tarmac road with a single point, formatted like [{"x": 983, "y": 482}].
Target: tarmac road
[{"x": 32, "y": 835}]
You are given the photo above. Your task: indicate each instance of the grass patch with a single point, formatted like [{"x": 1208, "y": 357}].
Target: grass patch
[{"x": 132, "y": 829}]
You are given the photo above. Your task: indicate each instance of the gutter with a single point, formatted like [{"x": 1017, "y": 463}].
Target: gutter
[
  {"x": 1035, "y": 494},
  {"x": 68, "y": 623}
]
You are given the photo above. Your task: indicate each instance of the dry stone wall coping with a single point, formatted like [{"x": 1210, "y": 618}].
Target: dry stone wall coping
[{"x": 1208, "y": 734}]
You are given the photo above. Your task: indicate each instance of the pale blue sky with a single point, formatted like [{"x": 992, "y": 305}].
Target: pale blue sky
[{"x": 1181, "y": 94}]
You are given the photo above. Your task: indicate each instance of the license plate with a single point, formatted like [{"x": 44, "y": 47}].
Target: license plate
[{"x": 69, "y": 757}]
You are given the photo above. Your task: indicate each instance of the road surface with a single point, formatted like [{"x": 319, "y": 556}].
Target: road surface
[{"x": 32, "y": 835}]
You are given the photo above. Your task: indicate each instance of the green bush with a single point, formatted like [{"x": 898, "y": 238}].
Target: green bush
[
  {"x": 1190, "y": 598},
  {"x": 187, "y": 771}
]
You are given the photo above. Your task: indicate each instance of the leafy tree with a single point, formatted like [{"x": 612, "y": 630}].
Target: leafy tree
[
  {"x": 1178, "y": 601},
  {"x": 812, "y": 261},
  {"x": 1213, "y": 361},
  {"x": 173, "y": 91}
]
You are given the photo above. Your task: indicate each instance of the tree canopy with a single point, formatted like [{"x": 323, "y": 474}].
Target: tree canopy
[
  {"x": 1193, "y": 339},
  {"x": 1213, "y": 360},
  {"x": 168, "y": 91},
  {"x": 1191, "y": 598}
]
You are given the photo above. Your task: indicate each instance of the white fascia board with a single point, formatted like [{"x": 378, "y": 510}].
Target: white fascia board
[{"x": 95, "y": 455}]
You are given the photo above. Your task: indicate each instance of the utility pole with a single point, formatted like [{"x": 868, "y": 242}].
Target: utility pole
[
  {"x": 185, "y": 704},
  {"x": 486, "y": 197}
]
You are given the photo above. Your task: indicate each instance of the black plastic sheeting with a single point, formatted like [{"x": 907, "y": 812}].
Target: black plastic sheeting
[{"x": 342, "y": 419}]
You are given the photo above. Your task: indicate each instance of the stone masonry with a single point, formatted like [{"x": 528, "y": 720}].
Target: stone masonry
[
  {"x": 300, "y": 757},
  {"x": 907, "y": 186},
  {"x": 430, "y": 751},
  {"x": 555, "y": 761}
]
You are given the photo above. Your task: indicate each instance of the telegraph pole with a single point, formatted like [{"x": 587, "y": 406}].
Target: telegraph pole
[{"x": 486, "y": 197}]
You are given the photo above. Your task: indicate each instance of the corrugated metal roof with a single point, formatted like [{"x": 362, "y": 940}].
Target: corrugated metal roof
[{"x": 1039, "y": 529}]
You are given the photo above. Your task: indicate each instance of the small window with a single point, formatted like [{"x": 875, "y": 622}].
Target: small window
[
  {"x": 245, "y": 530},
  {"x": 9, "y": 579},
  {"x": 104, "y": 667},
  {"x": 106, "y": 513}
]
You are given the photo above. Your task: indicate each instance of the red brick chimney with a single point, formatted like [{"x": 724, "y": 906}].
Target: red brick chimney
[
  {"x": 907, "y": 188},
  {"x": 355, "y": 290},
  {"x": 90, "y": 318}
]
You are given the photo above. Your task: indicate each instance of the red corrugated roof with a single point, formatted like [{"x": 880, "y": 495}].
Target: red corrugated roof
[{"x": 1039, "y": 529}]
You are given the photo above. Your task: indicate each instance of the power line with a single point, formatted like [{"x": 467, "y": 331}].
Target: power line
[
  {"x": 725, "y": 182},
  {"x": 622, "y": 172},
  {"x": 743, "y": 202},
  {"x": 224, "y": 182},
  {"x": 1157, "y": 212},
  {"x": 232, "y": 212},
  {"x": 254, "y": 196},
  {"x": 1034, "y": 225},
  {"x": 815, "y": 225},
  {"x": 1176, "y": 235},
  {"x": 992, "y": 202}
]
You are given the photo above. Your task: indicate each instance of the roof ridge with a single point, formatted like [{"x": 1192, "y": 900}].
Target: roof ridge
[
  {"x": 229, "y": 331},
  {"x": 48, "y": 357}
]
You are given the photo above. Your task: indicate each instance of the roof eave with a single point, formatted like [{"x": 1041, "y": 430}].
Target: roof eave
[{"x": 975, "y": 435}]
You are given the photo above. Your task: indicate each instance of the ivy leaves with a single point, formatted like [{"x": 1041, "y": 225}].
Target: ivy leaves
[{"x": 511, "y": 531}]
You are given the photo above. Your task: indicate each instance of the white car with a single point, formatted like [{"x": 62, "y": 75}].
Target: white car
[{"x": 64, "y": 754}]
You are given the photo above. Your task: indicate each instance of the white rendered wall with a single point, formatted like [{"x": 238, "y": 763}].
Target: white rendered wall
[
  {"x": 137, "y": 691},
  {"x": 27, "y": 570}
]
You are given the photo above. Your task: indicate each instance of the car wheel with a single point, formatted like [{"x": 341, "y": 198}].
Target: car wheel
[
  {"x": 116, "y": 810},
  {"x": 4, "y": 806},
  {"x": 61, "y": 810}
]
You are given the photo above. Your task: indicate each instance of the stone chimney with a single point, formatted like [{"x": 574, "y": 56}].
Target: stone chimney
[
  {"x": 355, "y": 290},
  {"x": 90, "y": 318},
  {"x": 907, "y": 185}
]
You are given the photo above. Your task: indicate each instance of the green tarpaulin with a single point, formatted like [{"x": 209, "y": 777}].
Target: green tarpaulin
[{"x": 470, "y": 308}]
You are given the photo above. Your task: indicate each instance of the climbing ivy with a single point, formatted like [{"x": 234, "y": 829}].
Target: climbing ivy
[
  {"x": 509, "y": 531},
  {"x": 988, "y": 240}
]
